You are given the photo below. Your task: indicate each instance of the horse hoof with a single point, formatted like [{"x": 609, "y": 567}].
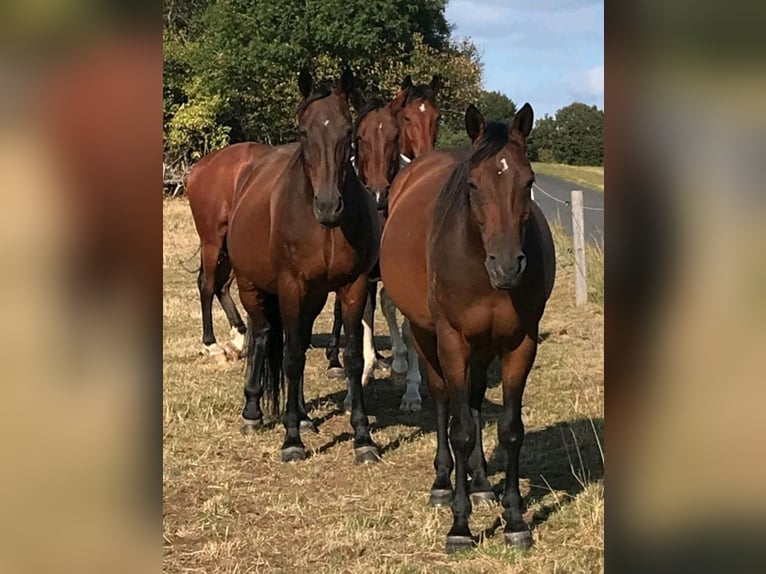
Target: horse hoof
[
  {"x": 409, "y": 405},
  {"x": 521, "y": 539},
  {"x": 293, "y": 454},
  {"x": 486, "y": 497},
  {"x": 308, "y": 425},
  {"x": 440, "y": 497},
  {"x": 455, "y": 543},
  {"x": 366, "y": 455},
  {"x": 251, "y": 426},
  {"x": 336, "y": 373},
  {"x": 231, "y": 352}
]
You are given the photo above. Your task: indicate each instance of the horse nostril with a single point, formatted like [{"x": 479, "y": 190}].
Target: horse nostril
[
  {"x": 521, "y": 258},
  {"x": 491, "y": 257},
  {"x": 339, "y": 207}
]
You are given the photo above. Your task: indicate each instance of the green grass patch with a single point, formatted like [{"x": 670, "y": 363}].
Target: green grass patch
[{"x": 589, "y": 176}]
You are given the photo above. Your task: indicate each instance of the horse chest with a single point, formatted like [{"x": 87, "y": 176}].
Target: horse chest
[
  {"x": 327, "y": 256},
  {"x": 490, "y": 318}
]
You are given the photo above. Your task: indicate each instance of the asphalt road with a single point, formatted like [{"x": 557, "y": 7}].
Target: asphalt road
[{"x": 551, "y": 192}]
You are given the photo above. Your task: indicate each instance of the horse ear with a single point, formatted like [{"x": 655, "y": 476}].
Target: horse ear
[
  {"x": 397, "y": 103},
  {"x": 436, "y": 83},
  {"x": 347, "y": 82},
  {"x": 474, "y": 122},
  {"x": 523, "y": 120},
  {"x": 407, "y": 83},
  {"x": 305, "y": 83}
]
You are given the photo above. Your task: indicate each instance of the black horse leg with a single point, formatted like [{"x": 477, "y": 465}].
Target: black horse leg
[{"x": 334, "y": 368}]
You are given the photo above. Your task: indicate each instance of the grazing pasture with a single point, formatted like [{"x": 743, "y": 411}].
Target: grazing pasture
[{"x": 232, "y": 506}]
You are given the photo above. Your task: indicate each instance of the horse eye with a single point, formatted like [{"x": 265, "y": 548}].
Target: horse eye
[
  {"x": 406, "y": 119},
  {"x": 472, "y": 184}
]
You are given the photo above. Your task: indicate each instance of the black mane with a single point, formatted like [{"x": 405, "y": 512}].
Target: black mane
[
  {"x": 320, "y": 91},
  {"x": 420, "y": 92},
  {"x": 455, "y": 192}
]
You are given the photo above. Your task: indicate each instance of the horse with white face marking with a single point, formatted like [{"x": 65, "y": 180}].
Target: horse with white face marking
[
  {"x": 386, "y": 138},
  {"x": 418, "y": 116}
]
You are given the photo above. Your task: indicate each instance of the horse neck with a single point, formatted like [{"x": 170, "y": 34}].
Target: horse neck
[{"x": 456, "y": 235}]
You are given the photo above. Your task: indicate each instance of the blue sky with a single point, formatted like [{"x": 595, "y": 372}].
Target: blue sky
[{"x": 549, "y": 53}]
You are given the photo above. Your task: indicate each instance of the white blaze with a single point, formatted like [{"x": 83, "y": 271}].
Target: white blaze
[{"x": 422, "y": 107}]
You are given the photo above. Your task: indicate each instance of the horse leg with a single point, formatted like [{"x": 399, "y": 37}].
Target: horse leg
[
  {"x": 411, "y": 400},
  {"x": 510, "y": 431},
  {"x": 206, "y": 285},
  {"x": 353, "y": 300},
  {"x": 454, "y": 353},
  {"x": 307, "y": 423},
  {"x": 299, "y": 309},
  {"x": 257, "y": 351},
  {"x": 224, "y": 277},
  {"x": 373, "y": 293},
  {"x": 335, "y": 369},
  {"x": 480, "y": 487},
  {"x": 441, "y": 489},
  {"x": 399, "y": 363},
  {"x": 368, "y": 354}
]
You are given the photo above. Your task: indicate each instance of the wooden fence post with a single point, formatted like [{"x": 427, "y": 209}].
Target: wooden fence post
[{"x": 578, "y": 240}]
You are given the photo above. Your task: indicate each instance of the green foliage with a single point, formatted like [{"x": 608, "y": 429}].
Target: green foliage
[
  {"x": 449, "y": 137},
  {"x": 541, "y": 141},
  {"x": 243, "y": 56},
  {"x": 496, "y": 106},
  {"x": 575, "y": 136},
  {"x": 580, "y": 135}
]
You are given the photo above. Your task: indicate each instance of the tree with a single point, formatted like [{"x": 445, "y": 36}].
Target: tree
[
  {"x": 496, "y": 106},
  {"x": 580, "y": 135},
  {"x": 231, "y": 65},
  {"x": 542, "y": 140}
]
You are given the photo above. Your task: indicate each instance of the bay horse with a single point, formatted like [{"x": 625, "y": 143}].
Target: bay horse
[
  {"x": 304, "y": 226},
  {"x": 210, "y": 189},
  {"x": 376, "y": 147},
  {"x": 416, "y": 115},
  {"x": 473, "y": 281}
]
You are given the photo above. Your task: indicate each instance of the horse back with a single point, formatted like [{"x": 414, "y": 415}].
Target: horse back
[{"x": 212, "y": 182}]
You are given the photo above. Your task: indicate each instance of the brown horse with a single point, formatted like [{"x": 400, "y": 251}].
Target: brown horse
[
  {"x": 210, "y": 189},
  {"x": 474, "y": 282},
  {"x": 416, "y": 114},
  {"x": 304, "y": 226},
  {"x": 376, "y": 145}
]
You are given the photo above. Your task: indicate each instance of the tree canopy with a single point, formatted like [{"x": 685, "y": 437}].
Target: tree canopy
[{"x": 575, "y": 136}]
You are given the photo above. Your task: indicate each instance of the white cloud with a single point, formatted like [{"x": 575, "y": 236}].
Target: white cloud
[{"x": 594, "y": 79}]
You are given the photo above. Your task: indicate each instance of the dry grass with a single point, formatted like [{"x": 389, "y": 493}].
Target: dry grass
[
  {"x": 231, "y": 506},
  {"x": 589, "y": 176}
]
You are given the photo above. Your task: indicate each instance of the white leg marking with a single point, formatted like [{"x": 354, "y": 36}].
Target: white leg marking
[
  {"x": 237, "y": 339},
  {"x": 411, "y": 399},
  {"x": 216, "y": 352},
  {"x": 399, "y": 364},
  {"x": 369, "y": 353}
]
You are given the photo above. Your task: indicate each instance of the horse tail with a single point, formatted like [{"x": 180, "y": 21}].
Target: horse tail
[{"x": 272, "y": 376}]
